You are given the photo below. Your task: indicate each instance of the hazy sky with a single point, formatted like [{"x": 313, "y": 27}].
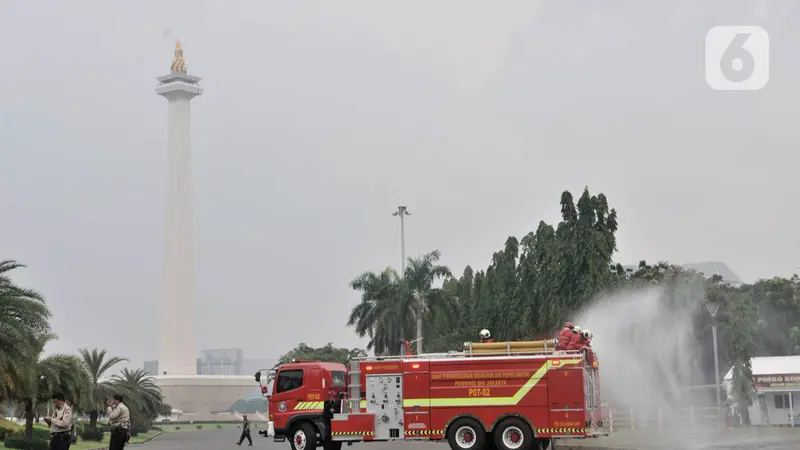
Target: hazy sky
[{"x": 319, "y": 118}]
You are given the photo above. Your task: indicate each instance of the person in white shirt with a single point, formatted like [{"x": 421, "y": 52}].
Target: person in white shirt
[
  {"x": 119, "y": 420},
  {"x": 60, "y": 424}
]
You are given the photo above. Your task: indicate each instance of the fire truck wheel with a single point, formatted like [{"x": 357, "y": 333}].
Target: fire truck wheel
[
  {"x": 304, "y": 437},
  {"x": 515, "y": 434},
  {"x": 466, "y": 434}
]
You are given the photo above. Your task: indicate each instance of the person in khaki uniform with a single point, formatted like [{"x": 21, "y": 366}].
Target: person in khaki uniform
[
  {"x": 60, "y": 424},
  {"x": 119, "y": 420}
]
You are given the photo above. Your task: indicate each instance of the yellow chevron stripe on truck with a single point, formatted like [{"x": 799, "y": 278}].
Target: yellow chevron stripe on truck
[
  {"x": 490, "y": 401},
  {"x": 560, "y": 430},
  {"x": 308, "y": 406}
]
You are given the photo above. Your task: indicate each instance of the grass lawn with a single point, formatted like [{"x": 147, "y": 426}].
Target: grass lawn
[
  {"x": 86, "y": 445},
  {"x": 81, "y": 444}
]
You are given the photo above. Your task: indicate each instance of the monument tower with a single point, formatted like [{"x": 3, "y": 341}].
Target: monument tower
[{"x": 178, "y": 342}]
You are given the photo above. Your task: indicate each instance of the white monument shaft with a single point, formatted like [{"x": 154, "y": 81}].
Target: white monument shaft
[{"x": 178, "y": 342}]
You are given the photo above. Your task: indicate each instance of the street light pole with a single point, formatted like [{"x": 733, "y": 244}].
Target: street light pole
[
  {"x": 402, "y": 211},
  {"x": 713, "y": 309}
]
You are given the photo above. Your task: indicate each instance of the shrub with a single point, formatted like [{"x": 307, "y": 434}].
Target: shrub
[
  {"x": 8, "y": 428},
  {"x": 137, "y": 429},
  {"x": 26, "y": 444},
  {"x": 177, "y": 428},
  {"x": 199, "y": 427},
  {"x": 39, "y": 433},
  {"x": 92, "y": 433},
  {"x": 219, "y": 425}
]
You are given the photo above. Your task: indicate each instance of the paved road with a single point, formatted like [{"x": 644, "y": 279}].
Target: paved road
[
  {"x": 226, "y": 438},
  {"x": 221, "y": 439}
]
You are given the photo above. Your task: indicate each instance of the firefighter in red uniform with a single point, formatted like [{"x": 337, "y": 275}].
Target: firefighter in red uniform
[
  {"x": 565, "y": 336},
  {"x": 577, "y": 339},
  {"x": 486, "y": 336},
  {"x": 587, "y": 336},
  {"x": 406, "y": 346}
]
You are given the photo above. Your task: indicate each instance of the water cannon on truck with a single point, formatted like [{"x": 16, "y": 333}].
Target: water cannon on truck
[{"x": 521, "y": 395}]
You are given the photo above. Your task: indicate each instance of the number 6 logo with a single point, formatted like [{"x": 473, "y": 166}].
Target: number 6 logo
[{"x": 737, "y": 58}]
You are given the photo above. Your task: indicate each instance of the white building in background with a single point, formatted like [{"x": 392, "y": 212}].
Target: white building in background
[
  {"x": 226, "y": 361},
  {"x": 707, "y": 268},
  {"x": 777, "y": 381}
]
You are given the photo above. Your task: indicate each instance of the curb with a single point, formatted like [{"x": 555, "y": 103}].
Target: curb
[{"x": 133, "y": 443}]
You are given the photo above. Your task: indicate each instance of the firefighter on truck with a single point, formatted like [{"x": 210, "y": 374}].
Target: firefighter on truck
[{"x": 506, "y": 395}]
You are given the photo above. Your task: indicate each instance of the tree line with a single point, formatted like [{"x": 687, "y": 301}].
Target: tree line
[
  {"x": 534, "y": 284},
  {"x": 29, "y": 377}
]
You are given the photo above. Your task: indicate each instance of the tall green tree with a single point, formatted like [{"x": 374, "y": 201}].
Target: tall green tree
[
  {"x": 97, "y": 364},
  {"x": 23, "y": 317},
  {"x": 419, "y": 278},
  {"x": 47, "y": 375},
  {"x": 742, "y": 318},
  {"x": 385, "y": 313},
  {"x": 141, "y": 394}
]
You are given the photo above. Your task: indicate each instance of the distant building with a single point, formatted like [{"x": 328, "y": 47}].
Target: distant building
[
  {"x": 708, "y": 269},
  {"x": 150, "y": 367},
  {"x": 226, "y": 361},
  {"x": 777, "y": 384}
]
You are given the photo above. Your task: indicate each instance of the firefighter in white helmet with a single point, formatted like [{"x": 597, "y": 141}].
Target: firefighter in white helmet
[
  {"x": 587, "y": 338},
  {"x": 577, "y": 339},
  {"x": 485, "y": 336}
]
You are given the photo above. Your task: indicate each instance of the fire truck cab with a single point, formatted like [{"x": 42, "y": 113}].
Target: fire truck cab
[{"x": 501, "y": 395}]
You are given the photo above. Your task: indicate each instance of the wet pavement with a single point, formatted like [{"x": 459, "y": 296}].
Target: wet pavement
[{"x": 766, "y": 439}]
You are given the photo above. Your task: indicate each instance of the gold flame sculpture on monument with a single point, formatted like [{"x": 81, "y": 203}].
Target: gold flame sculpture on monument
[{"x": 178, "y": 62}]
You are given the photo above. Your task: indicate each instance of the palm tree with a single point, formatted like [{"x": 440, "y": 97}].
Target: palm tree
[
  {"x": 55, "y": 373},
  {"x": 23, "y": 316},
  {"x": 97, "y": 364},
  {"x": 420, "y": 275},
  {"x": 385, "y": 312},
  {"x": 141, "y": 394}
]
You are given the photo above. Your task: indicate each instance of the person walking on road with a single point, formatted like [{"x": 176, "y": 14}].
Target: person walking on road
[
  {"x": 60, "y": 424},
  {"x": 245, "y": 432},
  {"x": 119, "y": 420}
]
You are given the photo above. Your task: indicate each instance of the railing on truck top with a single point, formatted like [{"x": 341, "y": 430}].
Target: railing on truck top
[{"x": 476, "y": 349}]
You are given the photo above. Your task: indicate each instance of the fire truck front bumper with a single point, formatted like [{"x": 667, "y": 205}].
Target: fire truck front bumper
[{"x": 270, "y": 431}]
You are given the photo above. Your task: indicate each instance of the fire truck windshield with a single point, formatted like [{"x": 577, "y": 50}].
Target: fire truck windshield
[{"x": 337, "y": 378}]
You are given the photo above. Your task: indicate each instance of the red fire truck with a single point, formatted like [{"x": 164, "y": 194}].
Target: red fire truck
[{"x": 503, "y": 395}]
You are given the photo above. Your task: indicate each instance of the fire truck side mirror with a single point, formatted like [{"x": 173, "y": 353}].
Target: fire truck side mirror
[{"x": 258, "y": 376}]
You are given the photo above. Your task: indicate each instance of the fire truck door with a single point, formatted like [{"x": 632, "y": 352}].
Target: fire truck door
[
  {"x": 289, "y": 390},
  {"x": 565, "y": 390},
  {"x": 416, "y": 403}
]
